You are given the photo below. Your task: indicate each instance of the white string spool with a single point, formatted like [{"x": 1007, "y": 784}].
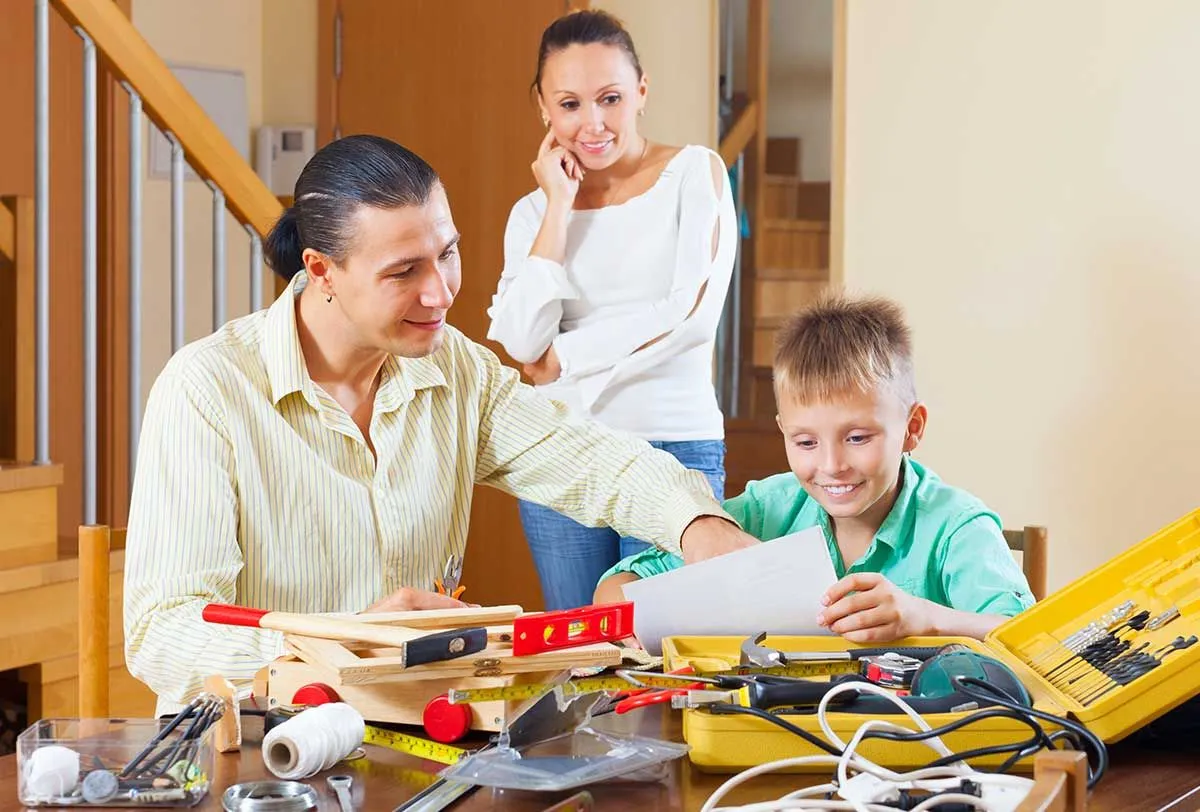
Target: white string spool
[
  {"x": 51, "y": 771},
  {"x": 313, "y": 740}
]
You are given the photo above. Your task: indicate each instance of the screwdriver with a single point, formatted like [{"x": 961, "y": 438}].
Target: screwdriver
[{"x": 768, "y": 692}]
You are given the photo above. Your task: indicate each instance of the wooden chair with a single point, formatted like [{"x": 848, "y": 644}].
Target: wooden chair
[
  {"x": 1060, "y": 783},
  {"x": 1031, "y": 542},
  {"x": 95, "y": 543}
]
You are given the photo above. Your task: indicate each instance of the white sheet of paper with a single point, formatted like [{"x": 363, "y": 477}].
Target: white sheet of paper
[{"x": 774, "y": 587}]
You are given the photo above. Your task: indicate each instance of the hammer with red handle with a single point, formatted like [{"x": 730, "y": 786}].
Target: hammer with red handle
[{"x": 416, "y": 647}]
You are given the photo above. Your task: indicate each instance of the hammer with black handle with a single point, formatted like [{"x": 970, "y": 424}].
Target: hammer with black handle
[{"x": 417, "y": 647}]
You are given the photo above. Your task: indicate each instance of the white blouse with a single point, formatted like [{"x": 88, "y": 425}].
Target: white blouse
[{"x": 633, "y": 272}]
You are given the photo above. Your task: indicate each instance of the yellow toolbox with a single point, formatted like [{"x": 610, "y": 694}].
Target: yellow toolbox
[{"x": 1157, "y": 579}]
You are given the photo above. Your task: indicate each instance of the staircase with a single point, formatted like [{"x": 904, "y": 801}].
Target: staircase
[
  {"x": 793, "y": 270},
  {"x": 39, "y": 569}
]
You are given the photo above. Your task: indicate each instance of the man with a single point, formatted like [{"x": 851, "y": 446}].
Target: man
[{"x": 320, "y": 456}]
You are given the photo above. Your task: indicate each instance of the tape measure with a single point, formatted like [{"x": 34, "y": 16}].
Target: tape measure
[
  {"x": 401, "y": 742},
  {"x": 829, "y": 668},
  {"x": 508, "y": 693},
  {"x": 413, "y": 745}
]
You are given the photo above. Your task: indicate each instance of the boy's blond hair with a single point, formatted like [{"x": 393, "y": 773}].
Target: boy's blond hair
[{"x": 842, "y": 344}]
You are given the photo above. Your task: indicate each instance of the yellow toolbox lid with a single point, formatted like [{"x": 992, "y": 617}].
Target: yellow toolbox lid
[{"x": 1158, "y": 578}]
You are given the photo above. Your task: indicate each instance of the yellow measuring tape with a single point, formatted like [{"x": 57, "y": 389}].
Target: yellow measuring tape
[
  {"x": 508, "y": 693},
  {"x": 414, "y": 745}
]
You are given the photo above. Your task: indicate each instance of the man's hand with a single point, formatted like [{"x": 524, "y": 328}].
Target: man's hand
[
  {"x": 711, "y": 536},
  {"x": 878, "y": 611},
  {"x": 546, "y": 369},
  {"x": 406, "y": 599}
]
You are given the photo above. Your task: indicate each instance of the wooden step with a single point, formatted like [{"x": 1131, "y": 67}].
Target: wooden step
[
  {"x": 795, "y": 244},
  {"x": 788, "y": 197},
  {"x": 754, "y": 450},
  {"x": 780, "y": 299},
  {"x": 793, "y": 274},
  {"x": 783, "y": 156},
  {"x": 29, "y": 505},
  {"x": 763, "y": 350},
  {"x": 39, "y": 610},
  {"x": 39, "y": 636},
  {"x": 797, "y": 224},
  {"x": 774, "y": 303},
  {"x": 54, "y": 688}
]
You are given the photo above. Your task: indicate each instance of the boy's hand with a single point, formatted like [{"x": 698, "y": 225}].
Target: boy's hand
[{"x": 867, "y": 608}]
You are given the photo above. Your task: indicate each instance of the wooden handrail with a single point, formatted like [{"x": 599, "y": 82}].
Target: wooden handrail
[
  {"x": 8, "y": 233},
  {"x": 739, "y": 135},
  {"x": 172, "y": 108}
]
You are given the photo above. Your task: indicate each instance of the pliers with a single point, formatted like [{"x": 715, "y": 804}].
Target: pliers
[
  {"x": 448, "y": 583},
  {"x": 643, "y": 698}
]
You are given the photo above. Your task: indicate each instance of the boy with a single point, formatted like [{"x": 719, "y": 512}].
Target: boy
[{"x": 915, "y": 556}]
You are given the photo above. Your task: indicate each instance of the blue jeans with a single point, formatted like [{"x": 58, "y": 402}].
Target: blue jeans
[{"x": 570, "y": 558}]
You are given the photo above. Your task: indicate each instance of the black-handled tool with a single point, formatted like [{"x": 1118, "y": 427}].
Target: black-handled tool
[
  {"x": 416, "y": 647},
  {"x": 754, "y": 653},
  {"x": 433, "y": 648},
  {"x": 764, "y": 695}
]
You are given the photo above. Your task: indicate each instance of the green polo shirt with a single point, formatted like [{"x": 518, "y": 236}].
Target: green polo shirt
[{"x": 937, "y": 542}]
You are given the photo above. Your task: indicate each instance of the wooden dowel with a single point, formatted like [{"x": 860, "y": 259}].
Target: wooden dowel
[{"x": 93, "y": 621}]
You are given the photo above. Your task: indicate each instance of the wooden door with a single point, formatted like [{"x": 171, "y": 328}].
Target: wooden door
[{"x": 449, "y": 79}]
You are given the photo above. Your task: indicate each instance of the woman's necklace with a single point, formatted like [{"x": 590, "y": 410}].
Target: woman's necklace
[{"x": 613, "y": 194}]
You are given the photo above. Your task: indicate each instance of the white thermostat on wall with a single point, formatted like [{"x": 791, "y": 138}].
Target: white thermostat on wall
[{"x": 281, "y": 152}]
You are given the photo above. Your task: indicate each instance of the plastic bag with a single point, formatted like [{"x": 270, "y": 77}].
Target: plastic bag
[{"x": 567, "y": 760}]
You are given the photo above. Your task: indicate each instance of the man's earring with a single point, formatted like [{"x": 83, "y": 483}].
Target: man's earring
[{"x": 545, "y": 121}]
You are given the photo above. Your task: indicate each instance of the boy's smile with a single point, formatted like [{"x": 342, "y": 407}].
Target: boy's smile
[{"x": 846, "y": 453}]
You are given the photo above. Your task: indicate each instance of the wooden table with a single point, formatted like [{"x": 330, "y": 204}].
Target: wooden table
[{"x": 1158, "y": 781}]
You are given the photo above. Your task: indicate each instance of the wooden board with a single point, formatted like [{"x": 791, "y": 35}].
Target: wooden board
[
  {"x": 397, "y": 702},
  {"x": 54, "y": 688},
  {"x": 341, "y": 665},
  {"x": 29, "y": 533},
  {"x": 443, "y": 618}
]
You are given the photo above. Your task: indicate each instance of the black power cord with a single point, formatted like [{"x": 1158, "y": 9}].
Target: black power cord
[
  {"x": 1073, "y": 733},
  {"x": 990, "y": 693},
  {"x": 725, "y": 707}
]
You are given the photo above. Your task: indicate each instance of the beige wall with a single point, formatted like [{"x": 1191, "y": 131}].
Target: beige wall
[
  {"x": 273, "y": 43},
  {"x": 289, "y": 61},
  {"x": 217, "y": 34},
  {"x": 1023, "y": 177},
  {"x": 677, "y": 45}
]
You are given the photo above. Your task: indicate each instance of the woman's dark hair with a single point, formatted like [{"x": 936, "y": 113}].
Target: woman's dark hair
[
  {"x": 358, "y": 170},
  {"x": 583, "y": 28}
]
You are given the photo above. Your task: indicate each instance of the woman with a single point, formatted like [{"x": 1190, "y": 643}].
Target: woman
[{"x": 616, "y": 270}]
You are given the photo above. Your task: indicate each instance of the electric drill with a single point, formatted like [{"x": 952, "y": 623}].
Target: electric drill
[{"x": 935, "y": 689}]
